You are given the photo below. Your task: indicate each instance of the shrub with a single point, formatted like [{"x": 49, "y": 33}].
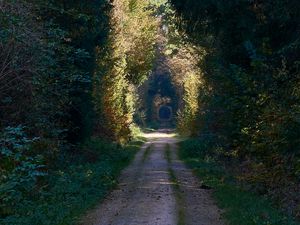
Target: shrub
[{"x": 19, "y": 167}]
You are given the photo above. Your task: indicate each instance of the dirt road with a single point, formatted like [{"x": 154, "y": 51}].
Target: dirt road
[{"x": 157, "y": 189}]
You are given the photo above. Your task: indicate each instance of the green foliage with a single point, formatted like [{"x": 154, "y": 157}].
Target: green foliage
[
  {"x": 74, "y": 53},
  {"x": 249, "y": 96},
  {"x": 177, "y": 59},
  {"x": 241, "y": 207},
  {"x": 47, "y": 63},
  {"x": 73, "y": 188},
  {"x": 123, "y": 67},
  {"x": 47, "y": 60},
  {"x": 20, "y": 168}
]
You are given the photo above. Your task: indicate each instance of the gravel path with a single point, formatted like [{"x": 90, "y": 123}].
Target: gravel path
[{"x": 156, "y": 189}]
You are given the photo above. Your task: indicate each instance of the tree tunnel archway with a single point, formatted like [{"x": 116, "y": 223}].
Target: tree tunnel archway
[{"x": 165, "y": 113}]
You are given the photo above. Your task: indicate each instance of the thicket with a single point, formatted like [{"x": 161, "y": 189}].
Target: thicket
[
  {"x": 249, "y": 96},
  {"x": 63, "y": 195},
  {"x": 68, "y": 71},
  {"x": 182, "y": 59},
  {"x": 176, "y": 77},
  {"x": 125, "y": 65},
  {"x": 240, "y": 206},
  {"x": 46, "y": 65}
]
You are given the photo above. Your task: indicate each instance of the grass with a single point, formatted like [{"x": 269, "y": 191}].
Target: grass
[
  {"x": 178, "y": 196},
  {"x": 76, "y": 187},
  {"x": 241, "y": 207},
  {"x": 176, "y": 187},
  {"x": 147, "y": 153},
  {"x": 168, "y": 153}
]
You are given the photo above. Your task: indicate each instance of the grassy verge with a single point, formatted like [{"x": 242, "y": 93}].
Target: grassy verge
[
  {"x": 76, "y": 186},
  {"x": 241, "y": 207}
]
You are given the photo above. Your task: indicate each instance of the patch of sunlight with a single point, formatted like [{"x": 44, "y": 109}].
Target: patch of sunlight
[
  {"x": 89, "y": 173},
  {"x": 159, "y": 134},
  {"x": 158, "y": 2}
]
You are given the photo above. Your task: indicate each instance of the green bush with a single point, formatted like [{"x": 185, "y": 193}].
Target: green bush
[
  {"x": 74, "y": 186},
  {"x": 241, "y": 206},
  {"x": 19, "y": 167}
]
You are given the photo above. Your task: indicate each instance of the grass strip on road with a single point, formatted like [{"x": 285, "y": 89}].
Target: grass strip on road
[{"x": 176, "y": 187}]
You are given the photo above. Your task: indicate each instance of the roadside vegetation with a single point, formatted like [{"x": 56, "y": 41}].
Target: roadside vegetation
[
  {"x": 64, "y": 193},
  {"x": 248, "y": 99},
  {"x": 240, "y": 203},
  {"x": 69, "y": 71}
]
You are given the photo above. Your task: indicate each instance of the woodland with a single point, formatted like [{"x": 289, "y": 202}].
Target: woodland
[{"x": 79, "y": 82}]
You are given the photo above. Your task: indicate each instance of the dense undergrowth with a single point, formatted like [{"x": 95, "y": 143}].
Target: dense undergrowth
[
  {"x": 73, "y": 185},
  {"x": 69, "y": 71},
  {"x": 248, "y": 98},
  {"x": 241, "y": 204}
]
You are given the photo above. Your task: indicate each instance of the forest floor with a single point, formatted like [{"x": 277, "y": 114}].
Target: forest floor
[{"x": 157, "y": 188}]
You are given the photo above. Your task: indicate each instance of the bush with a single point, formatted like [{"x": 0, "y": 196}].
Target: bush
[
  {"x": 240, "y": 206},
  {"x": 73, "y": 188},
  {"x": 20, "y": 169}
]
